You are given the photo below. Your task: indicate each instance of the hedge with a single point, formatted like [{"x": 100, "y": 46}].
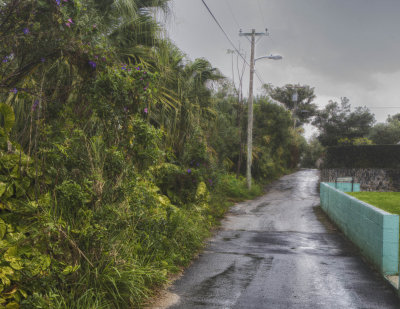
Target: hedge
[{"x": 363, "y": 156}]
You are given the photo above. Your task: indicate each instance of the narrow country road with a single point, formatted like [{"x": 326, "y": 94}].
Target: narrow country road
[{"x": 279, "y": 251}]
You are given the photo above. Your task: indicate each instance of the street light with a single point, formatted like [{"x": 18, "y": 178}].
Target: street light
[
  {"x": 273, "y": 57},
  {"x": 250, "y": 108}
]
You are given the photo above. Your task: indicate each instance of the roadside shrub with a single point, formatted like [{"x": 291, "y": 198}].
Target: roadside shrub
[
  {"x": 228, "y": 189},
  {"x": 25, "y": 232},
  {"x": 237, "y": 187},
  {"x": 355, "y": 141}
]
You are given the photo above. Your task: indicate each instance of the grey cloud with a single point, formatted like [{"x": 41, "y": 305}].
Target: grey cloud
[
  {"x": 344, "y": 39},
  {"x": 338, "y": 46}
]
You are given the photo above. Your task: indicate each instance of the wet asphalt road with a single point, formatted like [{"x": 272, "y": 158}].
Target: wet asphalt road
[{"x": 278, "y": 252}]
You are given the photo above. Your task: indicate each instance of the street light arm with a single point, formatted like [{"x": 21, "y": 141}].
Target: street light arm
[{"x": 273, "y": 57}]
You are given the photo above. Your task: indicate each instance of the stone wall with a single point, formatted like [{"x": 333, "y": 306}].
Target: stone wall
[{"x": 372, "y": 179}]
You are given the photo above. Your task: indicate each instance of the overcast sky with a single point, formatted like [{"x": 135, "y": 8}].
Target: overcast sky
[{"x": 341, "y": 47}]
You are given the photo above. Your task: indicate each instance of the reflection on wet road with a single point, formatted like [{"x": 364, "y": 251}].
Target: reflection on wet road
[{"x": 274, "y": 252}]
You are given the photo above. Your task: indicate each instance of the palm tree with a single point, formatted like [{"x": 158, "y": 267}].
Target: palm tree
[
  {"x": 190, "y": 83},
  {"x": 53, "y": 66}
]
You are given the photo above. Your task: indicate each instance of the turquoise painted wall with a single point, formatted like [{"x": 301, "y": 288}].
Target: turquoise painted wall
[
  {"x": 373, "y": 230},
  {"x": 345, "y": 186}
]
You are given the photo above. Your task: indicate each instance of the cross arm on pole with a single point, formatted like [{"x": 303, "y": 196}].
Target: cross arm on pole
[
  {"x": 250, "y": 34},
  {"x": 253, "y": 33}
]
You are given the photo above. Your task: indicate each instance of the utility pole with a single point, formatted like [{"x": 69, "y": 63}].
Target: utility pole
[
  {"x": 253, "y": 35},
  {"x": 295, "y": 100}
]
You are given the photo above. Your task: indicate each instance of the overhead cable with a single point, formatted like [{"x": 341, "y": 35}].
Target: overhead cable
[{"x": 230, "y": 41}]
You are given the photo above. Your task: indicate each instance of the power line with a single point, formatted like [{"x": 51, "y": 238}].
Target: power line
[
  {"x": 222, "y": 29},
  {"x": 230, "y": 41},
  {"x": 261, "y": 13},
  {"x": 384, "y": 107},
  {"x": 259, "y": 77},
  {"x": 231, "y": 11},
  {"x": 233, "y": 16}
]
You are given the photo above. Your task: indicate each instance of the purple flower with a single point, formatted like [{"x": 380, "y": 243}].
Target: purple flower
[
  {"x": 146, "y": 110},
  {"x": 69, "y": 22},
  {"x": 58, "y": 2},
  {"x": 43, "y": 59},
  {"x": 35, "y": 105},
  {"x": 104, "y": 58},
  {"x": 210, "y": 181},
  {"x": 5, "y": 60},
  {"x": 123, "y": 68},
  {"x": 14, "y": 90},
  {"x": 189, "y": 170},
  {"x": 26, "y": 30},
  {"x": 92, "y": 64},
  {"x": 137, "y": 68}
]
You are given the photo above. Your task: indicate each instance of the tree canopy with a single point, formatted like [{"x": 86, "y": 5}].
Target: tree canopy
[
  {"x": 337, "y": 121},
  {"x": 386, "y": 133},
  {"x": 296, "y": 98}
]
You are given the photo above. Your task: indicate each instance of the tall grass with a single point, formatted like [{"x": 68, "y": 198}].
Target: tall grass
[{"x": 228, "y": 190}]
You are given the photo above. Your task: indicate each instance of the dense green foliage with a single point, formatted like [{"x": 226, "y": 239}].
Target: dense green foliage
[
  {"x": 386, "y": 133},
  {"x": 363, "y": 156},
  {"x": 116, "y": 157},
  {"x": 336, "y": 122},
  {"x": 339, "y": 126},
  {"x": 296, "y": 98},
  {"x": 278, "y": 145},
  {"x": 313, "y": 151}
]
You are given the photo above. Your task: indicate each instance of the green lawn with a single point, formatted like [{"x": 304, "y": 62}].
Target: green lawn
[{"x": 388, "y": 201}]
